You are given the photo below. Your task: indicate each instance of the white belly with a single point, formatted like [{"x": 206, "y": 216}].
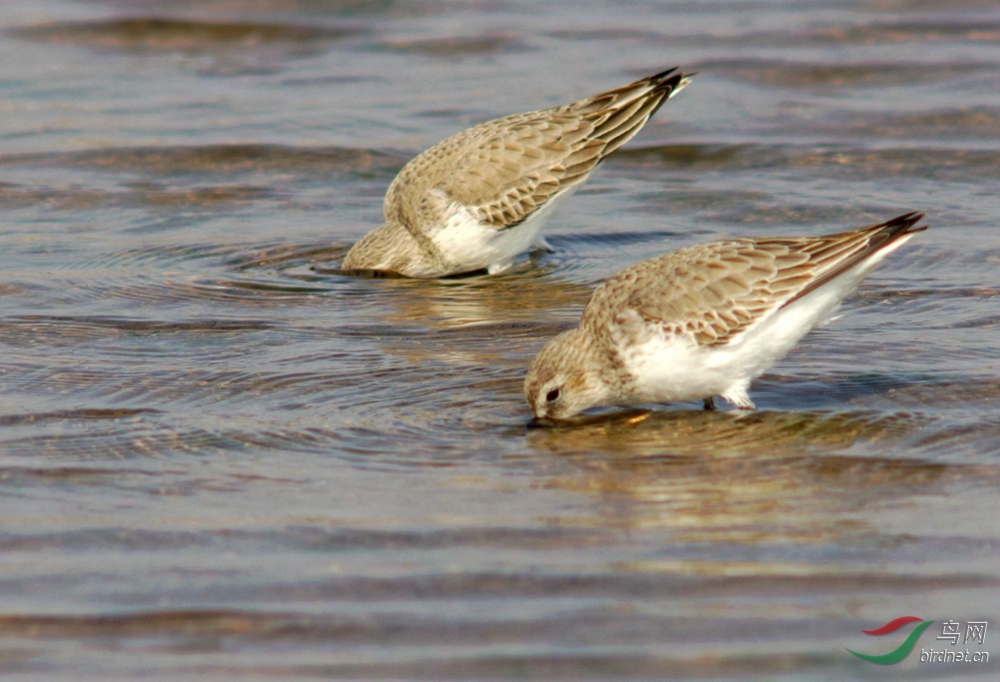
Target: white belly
[
  {"x": 672, "y": 369},
  {"x": 471, "y": 245}
]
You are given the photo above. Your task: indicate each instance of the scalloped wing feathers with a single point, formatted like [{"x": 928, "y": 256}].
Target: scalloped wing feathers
[
  {"x": 714, "y": 292},
  {"x": 506, "y": 169}
]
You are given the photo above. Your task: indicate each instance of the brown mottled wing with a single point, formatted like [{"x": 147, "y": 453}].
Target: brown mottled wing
[
  {"x": 508, "y": 168},
  {"x": 715, "y": 291},
  {"x": 509, "y": 176}
]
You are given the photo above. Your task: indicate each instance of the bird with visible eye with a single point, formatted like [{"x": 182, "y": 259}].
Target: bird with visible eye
[{"x": 703, "y": 321}]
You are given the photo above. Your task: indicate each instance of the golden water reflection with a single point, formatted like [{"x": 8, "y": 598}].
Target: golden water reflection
[{"x": 759, "y": 477}]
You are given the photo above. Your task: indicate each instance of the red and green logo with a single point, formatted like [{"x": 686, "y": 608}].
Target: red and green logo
[{"x": 904, "y": 649}]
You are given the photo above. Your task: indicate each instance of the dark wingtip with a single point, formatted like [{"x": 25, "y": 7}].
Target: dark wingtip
[
  {"x": 904, "y": 224},
  {"x": 886, "y": 233},
  {"x": 667, "y": 81},
  {"x": 665, "y": 84},
  {"x": 662, "y": 74},
  {"x": 879, "y": 236}
]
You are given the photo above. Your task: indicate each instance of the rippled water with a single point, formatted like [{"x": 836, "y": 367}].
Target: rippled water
[{"x": 221, "y": 459}]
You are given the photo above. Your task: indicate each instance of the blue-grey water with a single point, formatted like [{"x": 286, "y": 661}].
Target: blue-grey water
[{"x": 219, "y": 459}]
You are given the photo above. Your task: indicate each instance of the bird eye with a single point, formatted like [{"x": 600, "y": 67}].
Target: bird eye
[{"x": 552, "y": 395}]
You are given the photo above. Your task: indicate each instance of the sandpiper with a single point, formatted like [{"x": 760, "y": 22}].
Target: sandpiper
[
  {"x": 479, "y": 198},
  {"x": 703, "y": 321}
]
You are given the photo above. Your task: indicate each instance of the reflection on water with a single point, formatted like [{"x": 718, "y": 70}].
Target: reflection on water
[
  {"x": 743, "y": 477},
  {"x": 709, "y": 434},
  {"x": 224, "y": 457}
]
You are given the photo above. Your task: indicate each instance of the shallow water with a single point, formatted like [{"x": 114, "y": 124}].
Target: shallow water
[{"x": 221, "y": 459}]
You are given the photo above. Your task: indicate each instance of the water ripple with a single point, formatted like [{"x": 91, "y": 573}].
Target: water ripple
[
  {"x": 158, "y": 34},
  {"x": 839, "y": 160},
  {"x": 826, "y": 76},
  {"x": 226, "y": 158}
]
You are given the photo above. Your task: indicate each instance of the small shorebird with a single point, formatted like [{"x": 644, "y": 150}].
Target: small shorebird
[
  {"x": 703, "y": 321},
  {"x": 479, "y": 198}
]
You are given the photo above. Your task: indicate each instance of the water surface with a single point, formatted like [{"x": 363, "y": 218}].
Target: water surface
[{"x": 221, "y": 459}]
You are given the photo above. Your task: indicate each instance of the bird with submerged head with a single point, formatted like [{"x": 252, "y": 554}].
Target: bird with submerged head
[{"x": 480, "y": 198}]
